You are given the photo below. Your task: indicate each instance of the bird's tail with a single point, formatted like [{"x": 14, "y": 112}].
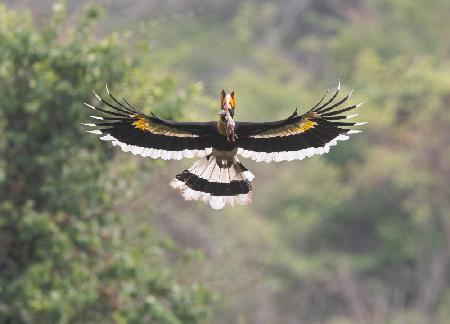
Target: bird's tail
[{"x": 215, "y": 183}]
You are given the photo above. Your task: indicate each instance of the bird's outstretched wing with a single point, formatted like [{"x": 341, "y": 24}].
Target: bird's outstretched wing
[
  {"x": 297, "y": 137},
  {"x": 149, "y": 136}
]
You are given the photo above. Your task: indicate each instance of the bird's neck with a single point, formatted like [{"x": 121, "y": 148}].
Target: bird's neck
[{"x": 221, "y": 126}]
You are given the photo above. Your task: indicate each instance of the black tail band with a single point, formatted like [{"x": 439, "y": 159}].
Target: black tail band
[{"x": 235, "y": 187}]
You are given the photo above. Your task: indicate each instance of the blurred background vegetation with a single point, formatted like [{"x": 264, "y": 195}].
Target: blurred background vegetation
[{"x": 89, "y": 234}]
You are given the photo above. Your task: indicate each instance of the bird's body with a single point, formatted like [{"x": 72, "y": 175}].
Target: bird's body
[{"x": 219, "y": 178}]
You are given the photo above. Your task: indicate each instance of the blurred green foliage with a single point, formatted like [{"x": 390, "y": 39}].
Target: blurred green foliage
[
  {"x": 361, "y": 235},
  {"x": 63, "y": 248}
]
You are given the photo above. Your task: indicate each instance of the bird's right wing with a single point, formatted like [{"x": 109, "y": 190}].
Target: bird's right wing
[
  {"x": 297, "y": 137},
  {"x": 150, "y": 136}
]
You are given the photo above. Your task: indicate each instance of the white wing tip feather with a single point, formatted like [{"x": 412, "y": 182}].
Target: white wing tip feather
[
  {"x": 98, "y": 97},
  {"x": 90, "y": 106},
  {"x": 96, "y": 131},
  {"x": 360, "y": 104},
  {"x": 107, "y": 138}
]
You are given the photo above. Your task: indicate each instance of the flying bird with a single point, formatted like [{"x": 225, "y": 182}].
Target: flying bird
[{"x": 219, "y": 178}]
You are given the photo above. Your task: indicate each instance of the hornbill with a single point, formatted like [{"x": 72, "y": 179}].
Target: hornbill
[{"x": 218, "y": 178}]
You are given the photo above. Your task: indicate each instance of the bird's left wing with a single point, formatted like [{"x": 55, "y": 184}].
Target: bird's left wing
[
  {"x": 297, "y": 137},
  {"x": 150, "y": 136}
]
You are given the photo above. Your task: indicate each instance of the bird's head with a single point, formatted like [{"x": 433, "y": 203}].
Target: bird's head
[{"x": 227, "y": 104}]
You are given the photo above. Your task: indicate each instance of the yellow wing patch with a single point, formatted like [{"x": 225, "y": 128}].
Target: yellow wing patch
[
  {"x": 146, "y": 125},
  {"x": 303, "y": 127},
  {"x": 293, "y": 129},
  {"x": 143, "y": 124}
]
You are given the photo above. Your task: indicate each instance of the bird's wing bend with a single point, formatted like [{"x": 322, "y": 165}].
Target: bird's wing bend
[
  {"x": 297, "y": 137},
  {"x": 149, "y": 136}
]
